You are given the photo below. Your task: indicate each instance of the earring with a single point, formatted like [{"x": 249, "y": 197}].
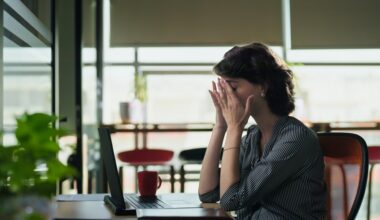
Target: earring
[{"x": 262, "y": 94}]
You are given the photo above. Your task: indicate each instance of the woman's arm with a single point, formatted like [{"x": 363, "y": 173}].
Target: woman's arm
[
  {"x": 236, "y": 116},
  {"x": 230, "y": 173},
  {"x": 209, "y": 177}
]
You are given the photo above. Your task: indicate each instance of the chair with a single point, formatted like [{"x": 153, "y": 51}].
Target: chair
[
  {"x": 147, "y": 157},
  {"x": 374, "y": 158},
  {"x": 188, "y": 157},
  {"x": 191, "y": 157},
  {"x": 346, "y": 172}
]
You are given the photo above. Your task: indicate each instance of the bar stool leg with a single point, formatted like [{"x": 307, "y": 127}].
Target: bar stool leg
[
  {"x": 182, "y": 178},
  {"x": 136, "y": 179},
  {"x": 172, "y": 181}
]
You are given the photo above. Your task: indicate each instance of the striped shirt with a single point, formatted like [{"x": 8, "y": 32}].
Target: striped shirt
[{"x": 285, "y": 183}]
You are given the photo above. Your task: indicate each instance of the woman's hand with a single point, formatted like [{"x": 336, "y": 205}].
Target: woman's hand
[
  {"x": 220, "y": 122},
  {"x": 234, "y": 112}
]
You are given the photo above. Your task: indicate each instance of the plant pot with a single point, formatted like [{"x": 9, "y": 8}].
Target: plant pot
[{"x": 26, "y": 207}]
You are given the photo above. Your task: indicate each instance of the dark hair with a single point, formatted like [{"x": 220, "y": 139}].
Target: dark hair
[{"x": 257, "y": 64}]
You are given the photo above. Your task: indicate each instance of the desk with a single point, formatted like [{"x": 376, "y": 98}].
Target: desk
[
  {"x": 79, "y": 208},
  {"x": 85, "y": 210}
]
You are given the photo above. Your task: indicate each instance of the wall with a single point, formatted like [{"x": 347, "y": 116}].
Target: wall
[
  {"x": 335, "y": 23},
  {"x": 195, "y": 21},
  {"x": 315, "y": 23}
]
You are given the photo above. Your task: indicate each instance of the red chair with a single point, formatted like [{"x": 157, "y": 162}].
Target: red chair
[
  {"x": 374, "y": 158},
  {"x": 147, "y": 157},
  {"x": 346, "y": 172}
]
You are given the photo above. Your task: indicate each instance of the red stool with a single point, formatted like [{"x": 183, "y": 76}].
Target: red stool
[
  {"x": 147, "y": 157},
  {"x": 373, "y": 159}
]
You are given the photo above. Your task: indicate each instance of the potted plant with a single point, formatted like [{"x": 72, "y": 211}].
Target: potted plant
[
  {"x": 141, "y": 92},
  {"x": 134, "y": 111},
  {"x": 141, "y": 96},
  {"x": 30, "y": 169}
]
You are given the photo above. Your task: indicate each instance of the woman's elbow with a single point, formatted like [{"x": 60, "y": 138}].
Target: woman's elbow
[
  {"x": 226, "y": 206},
  {"x": 208, "y": 197},
  {"x": 229, "y": 203},
  {"x": 207, "y": 200}
]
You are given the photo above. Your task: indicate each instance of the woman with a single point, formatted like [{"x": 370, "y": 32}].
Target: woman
[{"x": 276, "y": 170}]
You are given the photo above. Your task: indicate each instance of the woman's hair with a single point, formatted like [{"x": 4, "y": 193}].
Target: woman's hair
[{"x": 257, "y": 64}]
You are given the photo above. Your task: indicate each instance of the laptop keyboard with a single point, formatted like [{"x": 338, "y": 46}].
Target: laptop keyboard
[{"x": 144, "y": 202}]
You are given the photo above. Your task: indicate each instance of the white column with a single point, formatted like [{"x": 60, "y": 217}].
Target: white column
[{"x": 286, "y": 28}]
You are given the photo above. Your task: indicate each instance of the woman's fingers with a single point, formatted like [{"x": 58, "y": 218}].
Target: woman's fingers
[
  {"x": 218, "y": 103},
  {"x": 229, "y": 91},
  {"x": 222, "y": 97},
  {"x": 232, "y": 99},
  {"x": 215, "y": 97},
  {"x": 226, "y": 100},
  {"x": 213, "y": 86},
  {"x": 219, "y": 85},
  {"x": 215, "y": 94}
]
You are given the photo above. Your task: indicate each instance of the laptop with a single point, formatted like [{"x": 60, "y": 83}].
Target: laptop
[{"x": 126, "y": 204}]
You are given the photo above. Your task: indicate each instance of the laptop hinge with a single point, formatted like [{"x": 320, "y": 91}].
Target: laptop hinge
[{"x": 117, "y": 209}]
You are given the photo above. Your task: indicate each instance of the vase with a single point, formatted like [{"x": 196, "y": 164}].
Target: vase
[{"x": 124, "y": 109}]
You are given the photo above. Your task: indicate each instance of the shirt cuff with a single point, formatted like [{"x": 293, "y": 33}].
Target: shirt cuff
[
  {"x": 231, "y": 199},
  {"x": 210, "y": 197}
]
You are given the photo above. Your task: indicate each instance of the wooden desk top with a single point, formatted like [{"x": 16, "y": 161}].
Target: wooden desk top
[
  {"x": 85, "y": 210},
  {"x": 97, "y": 209}
]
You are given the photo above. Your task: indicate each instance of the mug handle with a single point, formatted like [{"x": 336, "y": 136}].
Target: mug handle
[{"x": 159, "y": 182}]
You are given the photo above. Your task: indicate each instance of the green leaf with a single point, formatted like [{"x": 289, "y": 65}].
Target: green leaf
[{"x": 36, "y": 144}]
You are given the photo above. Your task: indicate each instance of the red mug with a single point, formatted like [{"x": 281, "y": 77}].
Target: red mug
[{"x": 149, "y": 182}]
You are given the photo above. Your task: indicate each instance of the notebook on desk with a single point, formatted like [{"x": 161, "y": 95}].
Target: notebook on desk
[{"x": 126, "y": 204}]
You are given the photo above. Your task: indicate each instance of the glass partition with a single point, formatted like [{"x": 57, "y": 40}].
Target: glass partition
[{"x": 27, "y": 60}]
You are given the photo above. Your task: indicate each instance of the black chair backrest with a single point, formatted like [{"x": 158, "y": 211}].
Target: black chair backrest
[{"x": 195, "y": 154}]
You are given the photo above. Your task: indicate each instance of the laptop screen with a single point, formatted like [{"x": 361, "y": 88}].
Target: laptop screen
[{"x": 109, "y": 161}]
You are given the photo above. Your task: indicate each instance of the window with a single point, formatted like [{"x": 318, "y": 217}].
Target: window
[{"x": 27, "y": 61}]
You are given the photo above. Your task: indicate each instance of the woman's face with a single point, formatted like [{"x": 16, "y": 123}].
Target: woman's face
[{"x": 243, "y": 89}]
